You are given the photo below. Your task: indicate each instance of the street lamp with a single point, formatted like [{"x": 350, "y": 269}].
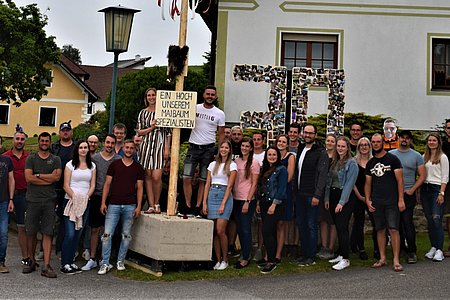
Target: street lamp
[{"x": 118, "y": 21}]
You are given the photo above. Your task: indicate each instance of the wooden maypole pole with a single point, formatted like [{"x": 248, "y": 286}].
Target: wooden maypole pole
[{"x": 175, "y": 149}]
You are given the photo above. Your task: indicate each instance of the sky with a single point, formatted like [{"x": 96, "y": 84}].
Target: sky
[{"x": 79, "y": 23}]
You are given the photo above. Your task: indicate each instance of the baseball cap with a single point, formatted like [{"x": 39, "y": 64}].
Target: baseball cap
[
  {"x": 406, "y": 133},
  {"x": 65, "y": 125}
]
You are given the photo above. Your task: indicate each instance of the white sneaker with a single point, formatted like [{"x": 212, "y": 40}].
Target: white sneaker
[
  {"x": 438, "y": 256},
  {"x": 91, "y": 264},
  {"x": 216, "y": 265},
  {"x": 86, "y": 254},
  {"x": 336, "y": 260},
  {"x": 344, "y": 263},
  {"x": 104, "y": 269},
  {"x": 120, "y": 266},
  {"x": 223, "y": 266},
  {"x": 430, "y": 254}
]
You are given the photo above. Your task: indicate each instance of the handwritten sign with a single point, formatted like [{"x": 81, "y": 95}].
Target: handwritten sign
[{"x": 176, "y": 109}]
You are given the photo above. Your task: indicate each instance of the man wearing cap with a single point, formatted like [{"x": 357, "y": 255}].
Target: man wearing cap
[
  {"x": 413, "y": 165},
  {"x": 63, "y": 148}
]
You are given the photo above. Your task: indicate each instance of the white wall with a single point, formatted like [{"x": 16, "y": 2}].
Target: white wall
[{"x": 384, "y": 57}]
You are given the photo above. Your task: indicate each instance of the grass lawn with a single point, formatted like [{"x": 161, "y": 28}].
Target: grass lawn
[{"x": 285, "y": 267}]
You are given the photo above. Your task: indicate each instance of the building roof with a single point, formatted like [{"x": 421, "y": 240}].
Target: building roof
[
  {"x": 136, "y": 63},
  {"x": 97, "y": 80}
]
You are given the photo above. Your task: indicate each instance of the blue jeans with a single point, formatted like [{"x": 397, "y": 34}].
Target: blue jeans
[
  {"x": 307, "y": 219},
  {"x": 115, "y": 214},
  {"x": 71, "y": 238},
  {"x": 4, "y": 218},
  {"x": 433, "y": 213},
  {"x": 244, "y": 226}
]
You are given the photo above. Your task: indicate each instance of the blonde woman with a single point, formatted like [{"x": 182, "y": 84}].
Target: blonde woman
[
  {"x": 153, "y": 151},
  {"x": 218, "y": 200}
]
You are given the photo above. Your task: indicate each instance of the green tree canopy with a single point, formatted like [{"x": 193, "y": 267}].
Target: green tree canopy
[
  {"x": 24, "y": 49},
  {"x": 72, "y": 53}
]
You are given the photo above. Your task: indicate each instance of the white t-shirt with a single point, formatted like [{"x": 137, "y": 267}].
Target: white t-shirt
[
  {"x": 259, "y": 157},
  {"x": 80, "y": 181},
  {"x": 220, "y": 178},
  {"x": 206, "y": 122}
]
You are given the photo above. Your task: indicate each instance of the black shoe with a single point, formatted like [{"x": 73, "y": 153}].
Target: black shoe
[
  {"x": 66, "y": 269},
  {"x": 363, "y": 255},
  {"x": 412, "y": 258},
  {"x": 239, "y": 266},
  {"x": 29, "y": 267},
  {"x": 261, "y": 263},
  {"x": 307, "y": 262},
  {"x": 268, "y": 268}
]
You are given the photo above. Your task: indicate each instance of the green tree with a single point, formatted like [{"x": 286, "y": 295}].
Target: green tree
[
  {"x": 131, "y": 88},
  {"x": 72, "y": 53},
  {"x": 24, "y": 50}
]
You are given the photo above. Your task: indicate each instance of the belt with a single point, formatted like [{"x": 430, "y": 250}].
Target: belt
[
  {"x": 218, "y": 185},
  {"x": 195, "y": 146}
]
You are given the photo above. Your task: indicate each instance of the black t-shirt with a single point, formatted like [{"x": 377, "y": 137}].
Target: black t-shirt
[
  {"x": 65, "y": 154},
  {"x": 384, "y": 183}
]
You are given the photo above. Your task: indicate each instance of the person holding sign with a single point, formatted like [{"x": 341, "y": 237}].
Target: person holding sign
[{"x": 153, "y": 151}]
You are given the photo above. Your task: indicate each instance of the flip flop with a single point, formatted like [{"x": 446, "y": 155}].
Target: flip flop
[
  {"x": 157, "y": 209},
  {"x": 149, "y": 211},
  {"x": 398, "y": 268},
  {"x": 379, "y": 264}
]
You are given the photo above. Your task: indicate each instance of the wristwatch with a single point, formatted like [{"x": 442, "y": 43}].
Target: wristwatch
[
  {"x": 247, "y": 201},
  {"x": 442, "y": 193},
  {"x": 37, "y": 175}
]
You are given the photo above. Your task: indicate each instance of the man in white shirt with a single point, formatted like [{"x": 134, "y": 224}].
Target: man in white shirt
[{"x": 202, "y": 140}]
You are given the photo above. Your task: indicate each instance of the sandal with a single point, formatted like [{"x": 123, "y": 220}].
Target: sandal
[
  {"x": 157, "y": 209},
  {"x": 379, "y": 264},
  {"x": 398, "y": 268},
  {"x": 149, "y": 211}
]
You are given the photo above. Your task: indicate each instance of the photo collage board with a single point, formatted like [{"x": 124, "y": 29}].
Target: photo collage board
[
  {"x": 334, "y": 80},
  {"x": 272, "y": 120}
]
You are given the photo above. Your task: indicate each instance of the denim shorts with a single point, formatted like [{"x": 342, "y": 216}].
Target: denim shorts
[
  {"x": 215, "y": 197},
  {"x": 198, "y": 157},
  {"x": 386, "y": 216}
]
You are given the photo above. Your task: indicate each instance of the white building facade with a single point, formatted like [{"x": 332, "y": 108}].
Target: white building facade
[{"x": 395, "y": 54}]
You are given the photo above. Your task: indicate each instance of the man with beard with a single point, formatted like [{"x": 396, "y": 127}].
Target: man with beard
[
  {"x": 311, "y": 170},
  {"x": 42, "y": 172},
  {"x": 384, "y": 198},
  {"x": 18, "y": 157},
  {"x": 102, "y": 161},
  {"x": 208, "y": 120},
  {"x": 236, "y": 139},
  {"x": 413, "y": 165},
  {"x": 64, "y": 149},
  {"x": 125, "y": 181}
]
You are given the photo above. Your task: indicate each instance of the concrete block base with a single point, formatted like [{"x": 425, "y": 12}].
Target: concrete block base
[{"x": 172, "y": 238}]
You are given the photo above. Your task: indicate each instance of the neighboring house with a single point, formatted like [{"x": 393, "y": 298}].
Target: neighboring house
[
  {"x": 395, "y": 55},
  {"x": 76, "y": 92}
]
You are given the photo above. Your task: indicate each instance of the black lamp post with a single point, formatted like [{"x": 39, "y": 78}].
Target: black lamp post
[{"x": 118, "y": 21}]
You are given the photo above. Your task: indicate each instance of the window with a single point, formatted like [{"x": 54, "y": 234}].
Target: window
[
  {"x": 441, "y": 64},
  {"x": 318, "y": 51},
  {"x": 90, "y": 108},
  {"x": 47, "y": 116},
  {"x": 4, "y": 114},
  {"x": 46, "y": 83}
]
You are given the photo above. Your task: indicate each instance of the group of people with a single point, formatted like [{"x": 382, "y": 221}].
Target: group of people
[{"x": 296, "y": 185}]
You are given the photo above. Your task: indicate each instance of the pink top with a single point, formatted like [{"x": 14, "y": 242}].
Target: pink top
[{"x": 242, "y": 185}]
